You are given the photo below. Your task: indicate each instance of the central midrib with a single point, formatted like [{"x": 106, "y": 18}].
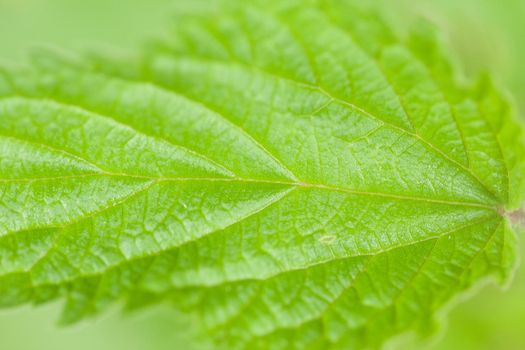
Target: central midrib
[{"x": 296, "y": 184}]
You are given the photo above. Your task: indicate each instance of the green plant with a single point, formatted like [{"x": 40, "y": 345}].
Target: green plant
[{"x": 295, "y": 175}]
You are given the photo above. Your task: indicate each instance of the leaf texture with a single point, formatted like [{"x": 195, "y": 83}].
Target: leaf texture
[{"x": 294, "y": 174}]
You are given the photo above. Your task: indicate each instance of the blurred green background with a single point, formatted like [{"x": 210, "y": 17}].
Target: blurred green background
[{"x": 487, "y": 35}]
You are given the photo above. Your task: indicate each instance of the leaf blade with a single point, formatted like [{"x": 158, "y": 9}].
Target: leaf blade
[{"x": 332, "y": 193}]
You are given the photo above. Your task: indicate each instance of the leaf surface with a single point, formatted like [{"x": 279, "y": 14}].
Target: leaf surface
[{"x": 295, "y": 175}]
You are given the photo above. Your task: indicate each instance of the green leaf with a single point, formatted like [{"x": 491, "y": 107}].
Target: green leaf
[{"x": 294, "y": 175}]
